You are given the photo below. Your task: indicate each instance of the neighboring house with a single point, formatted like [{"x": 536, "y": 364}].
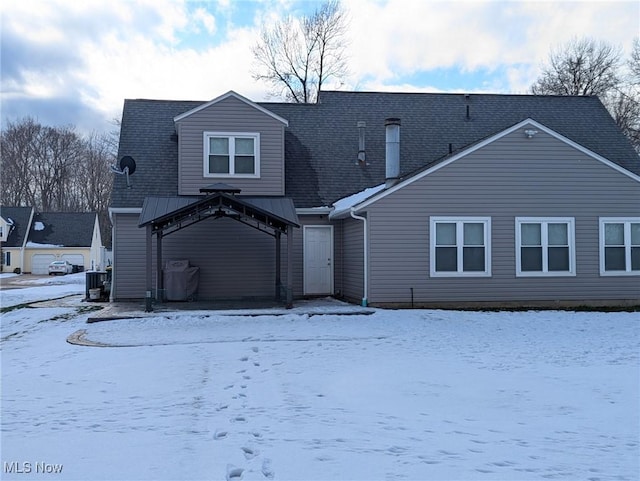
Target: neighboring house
[
  {"x": 14, "y": 227},
  {"x": 389, "y": 199},
  {"x": 71, "y": 236}
]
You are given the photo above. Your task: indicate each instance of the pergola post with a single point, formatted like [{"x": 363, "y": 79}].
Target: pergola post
[
  {"x": 289, "y": 266},
  {"x": 278, "y": 266},
  {"x": 147, "y": 294},
  {"x": 159, "y": 276}
]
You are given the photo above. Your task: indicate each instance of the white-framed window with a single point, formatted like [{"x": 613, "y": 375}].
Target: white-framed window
[
  {"x": 545, "y": 246},
  {"x": 231, "y": 154},
  {"x": 620, "y": 246},
  {"x": 460, "y": 246}
]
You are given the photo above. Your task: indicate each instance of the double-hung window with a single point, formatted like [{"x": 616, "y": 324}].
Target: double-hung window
[
  {"x": 460, "y": 246},
  {"x": 619, "y": 246},
  {"x": 545, "y": 246},
  {"x": 231, "y": 154}
]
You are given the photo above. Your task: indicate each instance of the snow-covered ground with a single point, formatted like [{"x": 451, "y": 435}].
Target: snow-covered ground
[{"x": 418, "y": 395}]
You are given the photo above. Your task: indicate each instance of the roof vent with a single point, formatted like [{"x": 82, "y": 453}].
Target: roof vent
[{"x": 362, "y": 156}]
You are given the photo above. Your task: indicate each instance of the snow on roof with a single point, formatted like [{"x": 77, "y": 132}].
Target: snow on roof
[
  {"x": 38, "y": 225},
  {"x": 345, "y": 204},
  {"x": 42, "y": 246}
]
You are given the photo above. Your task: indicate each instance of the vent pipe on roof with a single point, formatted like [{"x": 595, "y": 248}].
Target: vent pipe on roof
[
  {"x": 362, "y": 156},
  {"x": 392, "y": 159}
]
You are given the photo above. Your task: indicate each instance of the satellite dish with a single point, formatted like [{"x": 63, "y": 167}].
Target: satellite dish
[
  {"x": 127, "y": 167},
  {"x": 127, "y": 162}
]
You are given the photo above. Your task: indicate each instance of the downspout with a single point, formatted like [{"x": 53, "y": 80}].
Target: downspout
[{"x": 365, "y": 294}]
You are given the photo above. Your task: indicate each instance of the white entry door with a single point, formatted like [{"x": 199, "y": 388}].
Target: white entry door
[{"x": 318, "y": 259}]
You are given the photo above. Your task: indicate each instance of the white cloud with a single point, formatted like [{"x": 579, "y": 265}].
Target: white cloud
[
  {"x": 105, "y": 51},
  {"x": 207, "y": 20},
  {"x": 392, "y": 39}
]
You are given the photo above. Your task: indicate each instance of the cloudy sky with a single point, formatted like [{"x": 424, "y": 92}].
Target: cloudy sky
[{"x": 69, "y": 62}]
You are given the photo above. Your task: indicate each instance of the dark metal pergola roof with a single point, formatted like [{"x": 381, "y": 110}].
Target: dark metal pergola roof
[{"x": 170, "y": 214}]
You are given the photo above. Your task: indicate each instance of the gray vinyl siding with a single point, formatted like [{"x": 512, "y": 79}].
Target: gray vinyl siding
[
  {"x": 512, "y": 177},
  {"x": 235, "y": 260},
  {"x": 230, "y": 115},
  {"x": 352, "y": 254},
  {"x": 129, "y": 261}
]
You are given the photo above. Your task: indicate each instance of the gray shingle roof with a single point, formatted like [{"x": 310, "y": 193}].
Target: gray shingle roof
[
  {"x": 321, "y": 141},
  {"x": 20, "y": 218},
  {"x": 67, "y": 229}
]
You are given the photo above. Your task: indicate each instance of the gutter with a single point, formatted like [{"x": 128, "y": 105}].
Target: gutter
[{"x": 365, "y": 294}]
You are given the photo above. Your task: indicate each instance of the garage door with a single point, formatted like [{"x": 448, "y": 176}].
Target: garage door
[
  {"x": 74, "y": 259},
  {"x": 40, "y": 263}
]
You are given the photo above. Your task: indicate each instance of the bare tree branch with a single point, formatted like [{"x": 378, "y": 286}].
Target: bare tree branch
[
  {"x": 582, "y": 67},
  {"x": 55, "y": 169},
  {"x": 590, "y": 67},
  {"x": 296, "y": 56}
]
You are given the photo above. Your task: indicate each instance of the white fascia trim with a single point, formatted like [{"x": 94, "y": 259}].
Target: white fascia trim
[
  {"x": 486, "y": 142},
  {"x": 222, "y": 97},
  {"x": 313, "y": 210},
  {"x": 123, "y": 210},
  {"x": 26, "y": 235}
]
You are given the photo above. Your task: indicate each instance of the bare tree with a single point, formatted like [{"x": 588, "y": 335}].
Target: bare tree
[
  {"x": 625, "y": 104},
  {"x": 98, "y": 179},
  {"x": 17, "y": 147},
  {"x": 589, "y": 67},
  {"x": 634, "y": 61},
  {"x": 298, "y": 55},
  {"x": 581, "y": 67},
  {"x": 55, "y": 169}
]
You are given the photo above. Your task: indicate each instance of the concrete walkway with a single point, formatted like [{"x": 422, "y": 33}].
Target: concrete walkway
[{"x": 311, "y": 307}]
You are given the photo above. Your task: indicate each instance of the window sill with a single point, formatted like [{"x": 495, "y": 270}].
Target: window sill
[
  {"x": 545, "y": 274},
  {"x": 232, "y": 176}
]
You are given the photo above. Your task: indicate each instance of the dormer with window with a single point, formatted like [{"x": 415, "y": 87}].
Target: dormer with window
[{"x": 234, "y": 141}]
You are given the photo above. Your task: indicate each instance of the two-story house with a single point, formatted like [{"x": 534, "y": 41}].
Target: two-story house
[{"x": 389, "y": 199}]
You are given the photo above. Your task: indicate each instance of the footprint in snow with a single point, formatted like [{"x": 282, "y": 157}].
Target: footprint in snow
[
  {"x": 239, "y": 419},
  {"x": 233, "y": 473},
  {"x": 244, "y": 358},
  {"x": 250, "y": 453},
  {"x": 220, "y": 435},
  {"x": 255, "y": 349},
  {"x": 267, "y": 470}
]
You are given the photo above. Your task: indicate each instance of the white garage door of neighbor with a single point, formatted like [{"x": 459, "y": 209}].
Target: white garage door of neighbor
[
  {"x": 74, "y": 259},
  {"x": 40, "y": 263}
]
